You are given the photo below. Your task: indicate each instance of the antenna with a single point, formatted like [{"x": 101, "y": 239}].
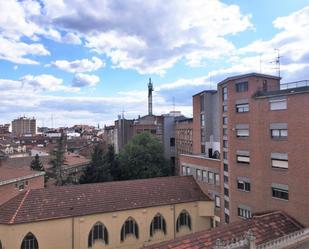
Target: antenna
[
  {"x": 277, "y": 61},
  {"x": 260, "y": 63}
]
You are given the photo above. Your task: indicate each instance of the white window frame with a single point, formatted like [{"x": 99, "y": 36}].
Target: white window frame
[
  {"x": 242, "y": 132},
  {"x": 243, "y": 159},
  {"x": 217, "y": 201},
  {"x": 278, "y": 104}
]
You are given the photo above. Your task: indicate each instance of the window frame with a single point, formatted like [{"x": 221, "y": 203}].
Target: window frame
[
  {"x": 183, "y": 219},
  {"x": 242, "y": 86},
  {"x": 242, "y": 161},
  {"x": 241, "y": 135},
  {"x": 279, "y": 196},
  {"x": 243, "y": 185},
  {"x": 242, "y": 108}
]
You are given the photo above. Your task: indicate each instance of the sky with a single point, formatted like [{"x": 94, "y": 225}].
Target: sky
[{"x": 69, "y": 62}]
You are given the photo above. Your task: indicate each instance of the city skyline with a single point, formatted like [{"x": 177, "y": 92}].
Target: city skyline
[{"x": 55, "y": 65}]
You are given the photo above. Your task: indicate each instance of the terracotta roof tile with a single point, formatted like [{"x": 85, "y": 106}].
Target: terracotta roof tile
[
  {"x": 78, "y": 200},
  {"x": 265, "y": 227}
]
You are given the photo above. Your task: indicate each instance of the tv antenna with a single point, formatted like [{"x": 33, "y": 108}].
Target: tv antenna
[{"x": 277, "y": 61}]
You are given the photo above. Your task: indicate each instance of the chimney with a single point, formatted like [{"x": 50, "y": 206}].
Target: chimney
[{"x": 150, "y": 90}]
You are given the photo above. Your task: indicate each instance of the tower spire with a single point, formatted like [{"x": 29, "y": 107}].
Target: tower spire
[{"x": 150, "y": 90}]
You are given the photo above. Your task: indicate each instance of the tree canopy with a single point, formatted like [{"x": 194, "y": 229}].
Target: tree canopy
[
  {"x": 36, "y": 164},
  {"x": 143, "y": 157}
]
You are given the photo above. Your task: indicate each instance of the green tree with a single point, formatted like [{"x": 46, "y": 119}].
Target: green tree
[
  {"x": 36, "y": 164},
  {"x": 58, "y": 160},
  {"x": 143, "y": 157},
  {"x": 99, "y": 169}
]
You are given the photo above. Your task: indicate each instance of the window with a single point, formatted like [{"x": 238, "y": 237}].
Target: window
[
  {"x": 242, "y": 87},
  {"x": 279, "y": 133},
  {"x": 224, "y": 108},
  {"x": 243, "y": 185},
  {"x": 129, "y": 227},
  {"x": 225, "y": 155},
  {"x": 224, "y": 131},
  {"x": 183, "y": 170},
  {"x": 278, "y": 104},
  {"x": 280, "y": 192},
  {"x": 204, "y": 175},
  {"x": 224, "y": 93},
  {"x": 217, "y": 179},
  {"x": 183, "y": 219},
  {"x": 242, "y": 108},
  {"x": 29, "y": 242},
  {"x": 217, "y": 201},
  {"x": 198, "y": 174},
  {"x": 21, "y": 186},
  {"x": 203, "y": 150},
  {"x": 188, "y": 171},
  {"x": 158, "y": 224},
  {"x": 279, "y": 160},
  {"x": 226, "y": 204},
  {"x": 203, "y": 135},
  {"x": 225, "y": 179},
  {"x": 98, "y": 232},
  {"x": 225, "y": 167},
  {"x": 202, "y": 102},
  {"x": 210, "y": 177},
  {"x": 225, "y": 143},
  {"x": 226, "y": 192},
  {"x": 172, "y": 142},
  {"x": 202, "y": 120},
  {"x": 243, "y": 159},
  {"x": 244, "y": 212},
  {"x": 242, "y": 132},
  {"x": 224, "y": 120},
  {"x": 226, "y": 218}
]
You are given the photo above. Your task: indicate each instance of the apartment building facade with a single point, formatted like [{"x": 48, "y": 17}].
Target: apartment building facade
[
  {"x": 264, "y": 143},
  {"x": 24, "y": 126},
  {"x": 204, "y": 161}
]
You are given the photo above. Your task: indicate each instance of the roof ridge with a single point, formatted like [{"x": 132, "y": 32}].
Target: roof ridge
[{"x": 19, "y": 207}]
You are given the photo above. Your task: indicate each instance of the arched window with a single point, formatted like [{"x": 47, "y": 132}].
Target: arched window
[
  {"x": 183, "y": 219},
  {"x": 29, "y": 242},
  {"x": 129, "y": 227},
  {"x": 158, "y": 223},
  {"x": 98, "y": 232}
]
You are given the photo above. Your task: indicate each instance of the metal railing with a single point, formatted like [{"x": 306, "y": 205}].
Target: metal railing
[{"x": 295, "y": 84}]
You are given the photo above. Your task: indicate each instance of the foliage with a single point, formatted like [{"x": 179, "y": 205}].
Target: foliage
[
  {"x": 36, "y": 164},
  {"x": 99, "y": 169},
  {"x": 143, "y": 157},
  {"x": 58, "y": 160}
]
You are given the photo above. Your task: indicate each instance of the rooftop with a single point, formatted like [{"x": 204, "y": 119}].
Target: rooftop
[
  {"x": 9, "y": 175},
  {"x": 248, "y": 75},
  {"x": 265, "y": 227},
  {"x": 79, "y": 200}
]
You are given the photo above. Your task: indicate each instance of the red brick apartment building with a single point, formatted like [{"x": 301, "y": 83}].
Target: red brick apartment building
[{"x": 264, "y": 147}]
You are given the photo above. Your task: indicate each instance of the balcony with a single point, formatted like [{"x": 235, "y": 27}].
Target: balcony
[{"x": 284, "y": 88}]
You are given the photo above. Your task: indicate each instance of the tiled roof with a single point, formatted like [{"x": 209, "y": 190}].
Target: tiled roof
[
  {"x": 79, "y": 200},
  {"x": 265, "y": 227},
  {"x": 7, "y": 174}
]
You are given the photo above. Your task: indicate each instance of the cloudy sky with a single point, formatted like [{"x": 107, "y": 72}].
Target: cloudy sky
[{"x": 87, "y": 61}]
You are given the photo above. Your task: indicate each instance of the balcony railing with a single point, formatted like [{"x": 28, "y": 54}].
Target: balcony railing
[{"x": 295, "y": 84}]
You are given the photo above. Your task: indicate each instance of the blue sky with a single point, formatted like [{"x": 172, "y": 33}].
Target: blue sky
[{"x": 87, "y": 61}]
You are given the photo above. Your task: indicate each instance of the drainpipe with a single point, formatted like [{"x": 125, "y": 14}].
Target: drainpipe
[
  {"x": 73, "y": 233},
  {"x": 174, "y": 221}
]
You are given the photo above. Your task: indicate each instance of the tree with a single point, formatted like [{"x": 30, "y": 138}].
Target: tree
[
  {"x": 99, "y": 169},
  {"x": 143, "y": 157},
  {"x": 58, "y": 160},
  {"x": 36, "y": 164}
]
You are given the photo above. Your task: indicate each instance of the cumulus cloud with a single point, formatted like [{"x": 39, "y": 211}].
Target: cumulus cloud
[
  {"x": 84, "y": 80},
  {"x": 154, "y": 36},
  {"x": 79, "y": 66}
]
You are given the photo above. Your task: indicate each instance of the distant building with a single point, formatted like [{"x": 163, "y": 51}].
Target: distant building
[
  {"x": 24, "y": 126},
  {"x": 4, "y": 129},
  {"x": 14, "y": 181},
  {"x": 123, "y": 132},
  {"x": 122, "y": 214}
]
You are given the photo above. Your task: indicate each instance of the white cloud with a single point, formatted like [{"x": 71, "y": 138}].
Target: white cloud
[
  {"x": 16, "y": 51},
  {"x": 84, "y": 80},
  {"x": 79, "y": 66},
  {"x": 154, "y": 36}
]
